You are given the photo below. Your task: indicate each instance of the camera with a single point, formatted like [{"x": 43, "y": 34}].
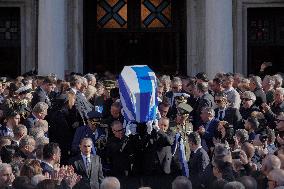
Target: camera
[{"x": 236, "y": 154}]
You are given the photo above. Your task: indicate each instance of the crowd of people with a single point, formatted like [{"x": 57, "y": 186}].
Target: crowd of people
[{"x": 227, "y": 132}]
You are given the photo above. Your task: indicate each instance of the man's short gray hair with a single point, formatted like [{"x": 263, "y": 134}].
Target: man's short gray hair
[
  {"x": 269, "y": 79},
  {"x": 176, "y": 80},
  {"x": 242, "y": 134},
  {"x": 202, "y": 87},
  {"x": 278, "y": 176},
  {"x": 26, "y": 140},
  {"x": 19, "y": 129},
  {"x": 209, "y": 111},
  {"x": 40, "y": 107},
  {"x": 280, "y": 89},
  {"x": 89, "y": 77},
  {"x": 257, "y": 81},
  {"x": 278, "y": 78},
  {"x": 110, "y": 183},
  {"x": 4, "y": 166},
  {"x": 234, "y": 185},
  {"x": 181, "y": 182},
  {"x": 165, "y": 78},
  {"x": 75, "y": 79}
]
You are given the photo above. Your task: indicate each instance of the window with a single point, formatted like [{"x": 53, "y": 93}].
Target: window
[
  {"x": 112, "y": 13},
  {"x": 156, "y": 13}
]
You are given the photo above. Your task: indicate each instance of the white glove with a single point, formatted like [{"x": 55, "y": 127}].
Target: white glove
[
  {"x": 156, "y": 125},
  {"x": 149, "y": 126}
]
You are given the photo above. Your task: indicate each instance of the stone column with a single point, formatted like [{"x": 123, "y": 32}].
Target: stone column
[
  {"x": 52, "y": 37},
  {"x": 219, "y": 37},
  {"x": 195, "y": 36}
]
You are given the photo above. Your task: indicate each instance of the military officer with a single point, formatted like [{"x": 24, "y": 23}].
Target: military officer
[{"x": 182, "y": 128}]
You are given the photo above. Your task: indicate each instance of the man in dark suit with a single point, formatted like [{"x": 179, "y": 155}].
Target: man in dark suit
[
  {"x": 208, "y": 128},
  {"x": 39, "y": 112},
  {"x": 198, "y": 161},
  {"x": 82, "y": 105},
  {"x": 41, "y": 93},
  {"x": 92, "y": 130},
  {"x": 225, "y": 113},
  {"x": 204, "y": 100},
  {"x": 88, "y": 165},
  {"x": 51, "y": 157},
  {"x": 165, "y": 153}
]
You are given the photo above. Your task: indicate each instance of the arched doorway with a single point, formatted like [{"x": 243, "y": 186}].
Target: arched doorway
[{"x": 121, "y": 32}]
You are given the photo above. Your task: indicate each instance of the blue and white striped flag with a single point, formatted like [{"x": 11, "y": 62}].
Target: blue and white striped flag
[{"x": 138, "y": 93}]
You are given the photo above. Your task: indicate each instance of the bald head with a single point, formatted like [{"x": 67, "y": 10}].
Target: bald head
[
  {"x": 110, "y": 183},
  {"x": 277, "y": 175},
  {"x": 270, "y": 163},
  {"x": 249, "y": 149}
]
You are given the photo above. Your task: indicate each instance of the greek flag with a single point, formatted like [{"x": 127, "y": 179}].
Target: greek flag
[{"x": 138, "y": 93}]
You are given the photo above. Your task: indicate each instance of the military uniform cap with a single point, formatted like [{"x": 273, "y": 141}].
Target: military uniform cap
[
  {"x": 109, "y": 84},
  {"x": 184, "y": 108},
  {"x": 23, "y": 90},
  {"x": 181, "y": 99},
  {"x": 94, "y": 115}
]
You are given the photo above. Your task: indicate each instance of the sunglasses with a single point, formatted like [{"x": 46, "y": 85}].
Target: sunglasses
[
  {"x": 119, "y": 130},
  {"x": 87, "y": 146},
  {"x": 279, "y": 120},
  {"x": 94, "y": 122},
  {"x": 218, "y": 101},
  {"x": 246, "y": 99}
]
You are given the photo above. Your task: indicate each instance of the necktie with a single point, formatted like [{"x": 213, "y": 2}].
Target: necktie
[
  {"x": 221, "y": 115},
  {"x": 88, "y": 165}
]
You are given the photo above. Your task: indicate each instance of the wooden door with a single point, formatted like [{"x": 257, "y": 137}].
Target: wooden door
[
  {"x": 10, "y": 41},
  {"x": 265, "y": 38},
  {"x": 135, "y": 38}
]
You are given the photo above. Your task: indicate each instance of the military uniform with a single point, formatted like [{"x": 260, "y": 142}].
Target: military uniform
[{"x": 181, "y": 131}]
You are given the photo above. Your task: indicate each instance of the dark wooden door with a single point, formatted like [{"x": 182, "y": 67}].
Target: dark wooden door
[
  {"x": 162, "y": 48},
  {"x": 10, "y": 41},
  {"x": 265, "y": 38}
]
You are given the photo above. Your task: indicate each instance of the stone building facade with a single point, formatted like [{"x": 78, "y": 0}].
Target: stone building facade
[{"x": 216, "y": 34}]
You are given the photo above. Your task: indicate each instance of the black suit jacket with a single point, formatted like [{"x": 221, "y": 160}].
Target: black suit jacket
[
  {"x": 232, "y": 116},
  {"x": 197, "y": 163},
  {"x": 164, "y": 152},
  {"x": 40, "y": 96},
  {"x": 95, "y": 177},
  {"x": 30, "y": 121},
  {"x": 46, "y": 168},
  {"x": 206, "y": 100}
]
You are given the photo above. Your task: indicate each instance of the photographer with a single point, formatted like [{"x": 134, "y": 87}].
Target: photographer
[
  {"x": 251, "y": 125},
  {"x": 91, "y": 130},
  {"x": 225, "y": 133},
  {"x": 225, "y": 113}
]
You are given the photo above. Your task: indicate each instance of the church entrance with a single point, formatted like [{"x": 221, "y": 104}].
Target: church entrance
[
  {"x": 265, "y": 38},
  {"x": 10, "y": 41},
  {"x": 128, "y": 32}
]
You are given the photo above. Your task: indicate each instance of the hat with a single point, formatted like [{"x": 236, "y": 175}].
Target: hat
[
  {"x": 94, "y": 115},
  {"x": 184, "y": 108},
  {"x": 109, "y": 84},
  {"x": 181, "y": 99},
  {"x": 23, "y": 90},
  {"x": 202, "y": 76},
  {"x": 249, "y": 95}
]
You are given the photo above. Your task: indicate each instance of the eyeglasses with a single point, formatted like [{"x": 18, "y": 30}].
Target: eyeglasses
[
  {"x": 87, "y": 146},
  {"x": 218, "y": 101},
  {"x": 279, "y": 120},
  {"x": 119, "y": 130},
  {"x": 246, "y": 99}
]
